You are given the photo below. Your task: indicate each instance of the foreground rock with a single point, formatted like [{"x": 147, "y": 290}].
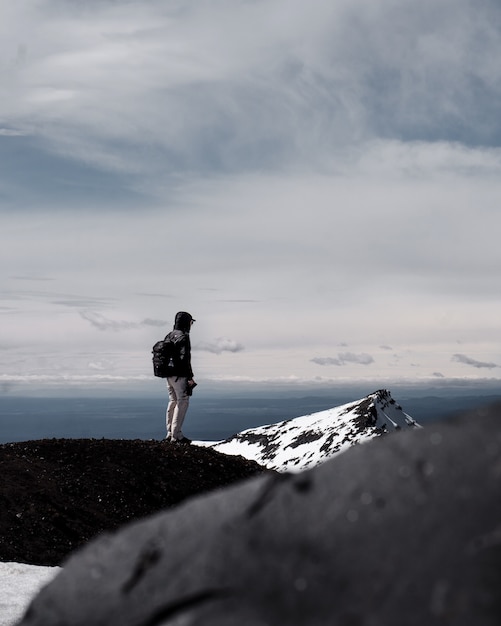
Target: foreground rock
[
  {"x": 405, "y": 530},
  {"x": 57, "y": 494}
]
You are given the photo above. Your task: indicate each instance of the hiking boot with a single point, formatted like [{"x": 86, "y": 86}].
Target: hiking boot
[{"x": 183, "y": 440}]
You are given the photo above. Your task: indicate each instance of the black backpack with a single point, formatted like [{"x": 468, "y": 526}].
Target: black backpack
[{"x": 166, "y": 354}]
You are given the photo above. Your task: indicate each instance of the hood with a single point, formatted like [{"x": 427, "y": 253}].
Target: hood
[{"x": 183, "y": 321}]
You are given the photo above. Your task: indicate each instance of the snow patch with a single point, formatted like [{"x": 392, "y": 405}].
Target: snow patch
[{"x": 19, "y": 584}]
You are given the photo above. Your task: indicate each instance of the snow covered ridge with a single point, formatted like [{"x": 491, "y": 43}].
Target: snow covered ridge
[{"x": 303, "y": 442}]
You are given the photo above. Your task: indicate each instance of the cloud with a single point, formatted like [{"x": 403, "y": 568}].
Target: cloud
[
  {"x": 183, "y": 91},
  {"x": 462, "y": 358},
  {"x": 365, "y": 137},
  {"x": 344, "y": 358},
  {"x": 155, "y": 295},
  {"x": 31, "y": 278},
  {"x": 104, "y": 323},
  {"x": 63, "y": 299},
  {"x": 12, "y": 132},
  {"x": 102, "y": 366},
  {"x": 151, "y": 322},
  {"x": 221, "y": 344},
  {"x": 64, "y": 379}
]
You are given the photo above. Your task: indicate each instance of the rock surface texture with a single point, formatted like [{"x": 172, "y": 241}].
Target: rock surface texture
[
  {"x": 403, "y": 531},
  {"x": 56, "y": 494}
]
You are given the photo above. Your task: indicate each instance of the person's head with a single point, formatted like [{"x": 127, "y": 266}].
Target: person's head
[{"x": 183, "y": 321}]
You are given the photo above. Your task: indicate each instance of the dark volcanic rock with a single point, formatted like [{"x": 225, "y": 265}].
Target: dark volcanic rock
[
  {"x": 57, "y": 494},
  {"x": 403, "y": 530}
]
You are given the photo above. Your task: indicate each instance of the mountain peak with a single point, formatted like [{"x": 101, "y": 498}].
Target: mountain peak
[
  {"x": 379, "y": 410},
  {"x": 303, "y": 442}
]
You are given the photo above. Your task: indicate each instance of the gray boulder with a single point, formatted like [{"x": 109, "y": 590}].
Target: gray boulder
[{"x": 404, "y": 530}]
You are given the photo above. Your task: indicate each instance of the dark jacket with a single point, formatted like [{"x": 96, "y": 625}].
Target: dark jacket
[{"x": 181, "y": 338}]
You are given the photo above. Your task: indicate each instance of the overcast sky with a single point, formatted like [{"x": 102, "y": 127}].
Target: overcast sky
[{"x": 318, "y": 183}]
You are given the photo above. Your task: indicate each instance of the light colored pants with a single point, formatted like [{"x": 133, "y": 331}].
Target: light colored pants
[{"x": 177, "y": 407}]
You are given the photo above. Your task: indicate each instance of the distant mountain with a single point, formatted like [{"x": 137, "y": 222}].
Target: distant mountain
[{"x": 303, "y": 442}]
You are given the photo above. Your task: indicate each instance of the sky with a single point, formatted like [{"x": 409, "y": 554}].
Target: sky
[{"x": 317, "y": 183}]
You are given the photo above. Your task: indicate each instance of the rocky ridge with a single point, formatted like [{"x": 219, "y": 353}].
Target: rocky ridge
[{"x": 57, "y": 494}]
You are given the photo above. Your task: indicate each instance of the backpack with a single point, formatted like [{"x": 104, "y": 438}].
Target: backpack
[{"x": 166, "y": 354}]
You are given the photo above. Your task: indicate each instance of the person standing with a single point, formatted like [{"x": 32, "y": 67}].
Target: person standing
[{"x": 180, "y": 382}]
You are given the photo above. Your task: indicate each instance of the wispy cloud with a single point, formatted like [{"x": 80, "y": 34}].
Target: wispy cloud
[
  {"x": 31, "y": 277},
  {"x": 155, "y": 295},
  {"x": 324, "y": 74},
  {"x": 221, "y": 344},
  {"x": 104, "y": 323},
  {"x": 345, "y": 358},
  {"x": 12, "y": 132},
  {"x": 102, "y": 366},
  {"x": 63, "y": 299},
  {"x": 462, "y": 358},
  {"x": 7, "y": 381},
  {"x": 83, "y": 302}
]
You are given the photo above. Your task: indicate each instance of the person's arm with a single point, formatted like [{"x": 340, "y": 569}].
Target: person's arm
[{"x": 185, "y": 355}]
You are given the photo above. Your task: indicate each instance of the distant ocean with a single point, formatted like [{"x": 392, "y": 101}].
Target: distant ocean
[
  {"x": 139, "y": 418},
  {"x": 208, "y": 418}
]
